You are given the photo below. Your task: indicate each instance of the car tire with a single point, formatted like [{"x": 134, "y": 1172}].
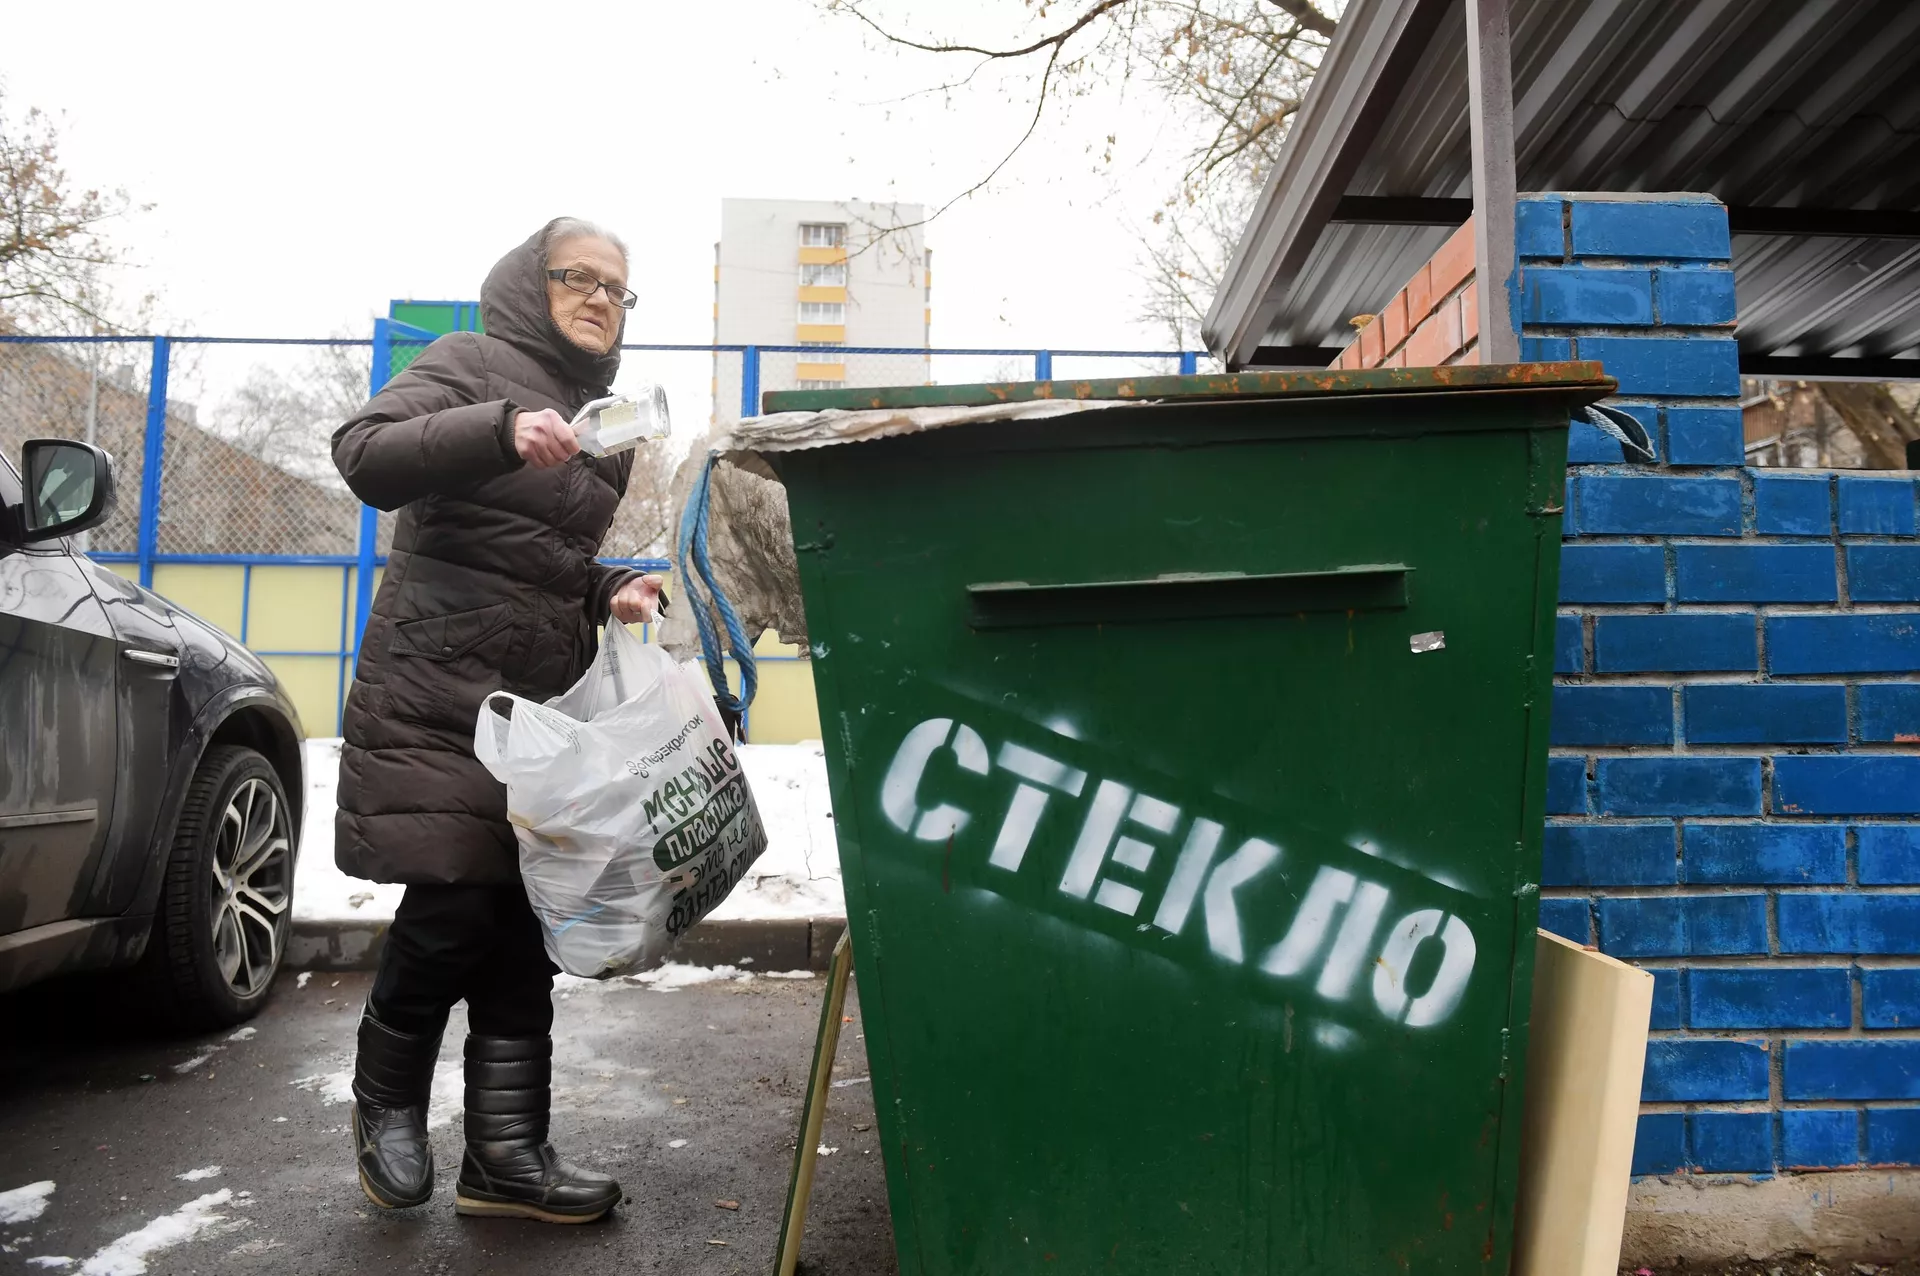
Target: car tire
[{"x": 226, "y": 906}]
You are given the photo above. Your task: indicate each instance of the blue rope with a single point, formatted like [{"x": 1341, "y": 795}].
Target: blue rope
[{"x": 696, "y": 566}]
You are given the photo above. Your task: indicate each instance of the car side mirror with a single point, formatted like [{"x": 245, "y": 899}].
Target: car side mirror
[{"x": 69, "y": 488}]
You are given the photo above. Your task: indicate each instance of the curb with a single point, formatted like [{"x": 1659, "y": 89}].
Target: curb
[{"x": 786, "y": 943}]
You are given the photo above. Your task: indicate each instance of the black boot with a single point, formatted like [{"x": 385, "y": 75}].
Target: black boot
[
  {"x": 391, "y": 1080},
  {"x": 510, "y": 1170}
]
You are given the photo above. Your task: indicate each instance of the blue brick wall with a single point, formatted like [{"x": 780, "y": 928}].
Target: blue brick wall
[
  {"x": 1762, "y": 713},
  {"x": 1734, "y": 787},
  {"x": 1748, "y": 573},
  {"x": 1764, "y": 854},
  {"x": 1819, "y": 1138},
  {"x": 1889, "y": 854}
]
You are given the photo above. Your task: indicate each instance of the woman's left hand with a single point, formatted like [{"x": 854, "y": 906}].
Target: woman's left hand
[{"x": 638, "y": 600}]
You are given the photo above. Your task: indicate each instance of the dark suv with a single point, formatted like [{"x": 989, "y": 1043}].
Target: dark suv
[{"x": 150, "y": 769}]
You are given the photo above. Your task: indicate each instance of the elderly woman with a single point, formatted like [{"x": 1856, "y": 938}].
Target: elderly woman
[{"x": 492, "y": 583}]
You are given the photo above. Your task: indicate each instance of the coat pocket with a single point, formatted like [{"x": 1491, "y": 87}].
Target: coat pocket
[{"x": 452, "y": 636}]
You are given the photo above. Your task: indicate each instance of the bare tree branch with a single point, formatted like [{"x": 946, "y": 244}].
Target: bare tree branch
[
  {"x": 1039, "y": 109},
  {"x": 1237, "y": 70},
  {"x": 52, "y": 245},
  {"x": 1056, "y": 40},
  {"x": 1883, "y": 427},
  {"x": 1304, "y": 12}
]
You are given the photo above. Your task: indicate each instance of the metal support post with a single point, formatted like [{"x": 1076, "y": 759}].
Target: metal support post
[
  {"x": 1189, "y": 363},
  {"x": 749, "y": 382},
  {"x": 1490, "y": 107},
  {"x": 153, "y": 456},
  {"x": 1043, "y": 365},
  {"x": 369, "y": 539}
]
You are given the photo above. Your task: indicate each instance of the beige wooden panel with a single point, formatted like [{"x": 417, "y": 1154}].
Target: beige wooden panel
[{"x": 1586, "y": 1049}]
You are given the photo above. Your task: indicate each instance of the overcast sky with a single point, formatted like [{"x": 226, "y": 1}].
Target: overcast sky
[{"x": 308, "y": 161}]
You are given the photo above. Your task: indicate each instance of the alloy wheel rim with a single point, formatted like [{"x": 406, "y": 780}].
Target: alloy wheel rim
[{"x": 252, "y": 884}]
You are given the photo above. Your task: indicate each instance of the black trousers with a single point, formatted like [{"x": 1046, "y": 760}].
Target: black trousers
[{"x": 480, "y": 944}]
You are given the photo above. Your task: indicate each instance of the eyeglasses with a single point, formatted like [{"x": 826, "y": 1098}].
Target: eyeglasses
[{"x": 581, "y": 281}]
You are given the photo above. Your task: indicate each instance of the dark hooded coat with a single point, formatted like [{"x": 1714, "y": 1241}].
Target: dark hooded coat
[{"x": 492, "y": 581}]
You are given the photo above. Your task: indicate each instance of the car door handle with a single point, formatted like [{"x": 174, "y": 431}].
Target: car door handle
[{"x": 155, "y": 659}]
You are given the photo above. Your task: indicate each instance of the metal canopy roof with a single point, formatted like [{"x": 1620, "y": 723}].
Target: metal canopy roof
[{"x": 1803, "y": 116}]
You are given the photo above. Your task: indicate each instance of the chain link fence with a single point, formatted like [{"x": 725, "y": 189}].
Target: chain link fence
[
  {"x": 247, "y": 521},
  {"x": 243, "y": 427},
  {"x": 247, "y": 463}
]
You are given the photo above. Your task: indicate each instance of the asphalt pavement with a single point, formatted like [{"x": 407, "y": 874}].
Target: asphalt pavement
[{"x": 229, "y": 1153}]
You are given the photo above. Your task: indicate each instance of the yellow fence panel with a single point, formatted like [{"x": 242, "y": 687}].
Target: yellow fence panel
[
  {"x": 214, "y": 592},
  {"x": 313, "y": 684}
]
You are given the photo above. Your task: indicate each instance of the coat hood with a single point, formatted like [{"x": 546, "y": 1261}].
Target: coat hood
[{"x": 513, "y": 308}]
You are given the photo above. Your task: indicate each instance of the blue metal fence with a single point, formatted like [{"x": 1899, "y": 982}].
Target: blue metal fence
[{"x": 389, "y": 345}]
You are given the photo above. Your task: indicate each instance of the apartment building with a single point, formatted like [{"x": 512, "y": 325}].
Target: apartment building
[{"x": 822, "y": 275}]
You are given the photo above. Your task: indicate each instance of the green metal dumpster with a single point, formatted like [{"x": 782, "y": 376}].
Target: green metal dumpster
[{"x": 1188, "y": 763}]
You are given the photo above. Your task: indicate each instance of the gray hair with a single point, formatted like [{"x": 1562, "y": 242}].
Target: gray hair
[{"x": 565, "y": 228}]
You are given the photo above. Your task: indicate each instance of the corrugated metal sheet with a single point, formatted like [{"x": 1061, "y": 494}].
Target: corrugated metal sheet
[{"x": 1765, "y": 103}]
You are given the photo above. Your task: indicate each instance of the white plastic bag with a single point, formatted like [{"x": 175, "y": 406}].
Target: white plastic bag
[{"x": 632, "y": 812}]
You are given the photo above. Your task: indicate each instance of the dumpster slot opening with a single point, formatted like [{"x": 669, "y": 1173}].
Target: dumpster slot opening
[{"x": 1215, "y": 595}]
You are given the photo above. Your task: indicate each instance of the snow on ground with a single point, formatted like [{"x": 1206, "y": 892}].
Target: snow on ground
[
  {"x": 24, "y": 1204},
  {"x": 206, "y": 1053},
  {"x": 674, "y": 976},
  {"x": 444, "y": 1099},
  {"x": 332, "y": 1087},
  {"x": 194, "y": 1176},
  {"x": 322, "y": 892},
  {"x": 671, "y": 977},
  {"x": 799, "y": 873},
  {"x": 128, "y": 1255},
  {"x": 798, "y": 876}
]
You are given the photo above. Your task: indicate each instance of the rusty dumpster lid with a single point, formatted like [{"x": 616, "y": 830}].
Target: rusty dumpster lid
[{"x": 1572, "y": 375}]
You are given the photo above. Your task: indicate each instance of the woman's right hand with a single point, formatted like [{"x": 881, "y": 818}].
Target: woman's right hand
[{"x": 543, "y": 439}]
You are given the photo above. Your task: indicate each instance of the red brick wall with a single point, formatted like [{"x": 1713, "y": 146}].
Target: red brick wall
[{"x": 1433, "y": 320}]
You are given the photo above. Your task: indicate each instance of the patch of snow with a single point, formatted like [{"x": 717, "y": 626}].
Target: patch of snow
[
  {"x": 446, "y": 1100},
  {"x": 254, "y": 1247},
  {"x": 824, "y": 1150},
  {"x": 24, "y": 1204},
  {"x": 678, "y": 1143},
  {"x": 321, "y": 892},
  {"x": 674, "y": 976},
  {"x": 332, "y": 1087},
  {"x": 799, "y": 873},
  {"x": 300, "y": 980},
  {"x": 448, "y": 1097},
  {"x": 57, "y": 1261},
  {"x": 566, "y": 984},
  {"x": 206, "y": 1053},
  {"x": 797, "y": 876},
  {"x": 194, "y": 1176},
  {"x": 789, "y": 974},
  {"x": 245, "y": 1034},
  {"x": 128, "y": 1255}
]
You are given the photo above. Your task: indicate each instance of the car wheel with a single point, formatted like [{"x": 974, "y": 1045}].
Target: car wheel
[{"x": 227, "y": 904}]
